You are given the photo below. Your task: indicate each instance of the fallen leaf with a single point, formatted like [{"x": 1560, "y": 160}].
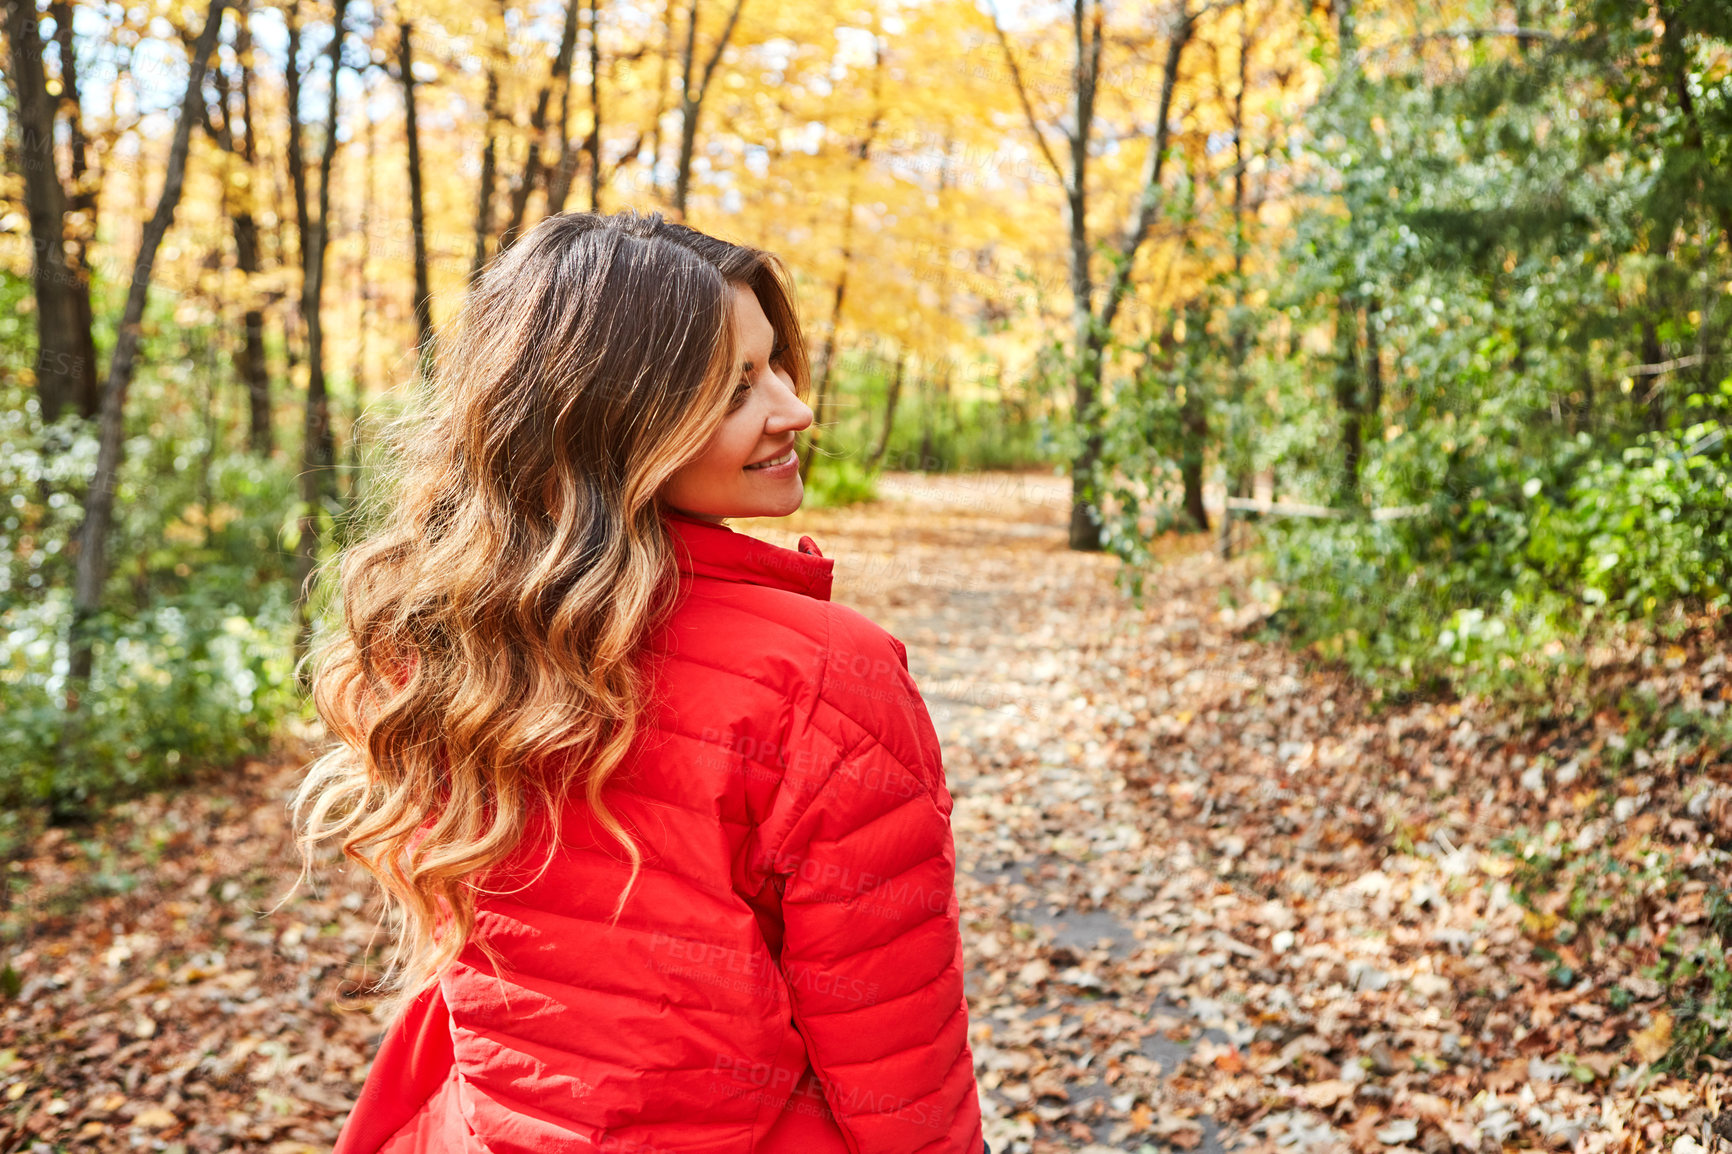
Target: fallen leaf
[
  {"x": 1652, "y": 1043},
  {"x": 154, "y": 1118},
  {"x": 1324, "y": 1095},
  {"x": 1399, "y": 1131},
  {"x": 1176, "y": 1130}
]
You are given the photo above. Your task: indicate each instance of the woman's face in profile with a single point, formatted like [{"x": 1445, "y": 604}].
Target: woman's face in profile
[{"x": 749, "y": 468}]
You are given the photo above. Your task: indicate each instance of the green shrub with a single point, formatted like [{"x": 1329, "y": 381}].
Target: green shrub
[
  {"x": 1486, "y": 591},
  {"x": 933, "y": 429},
  {"x": 839, "y": 481},
  {"x": 192, "y": 653},
  {"x": 185, "y": 684}
]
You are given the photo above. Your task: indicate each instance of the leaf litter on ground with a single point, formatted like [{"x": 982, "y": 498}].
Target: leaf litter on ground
[{"x": 1213, "y": 897}]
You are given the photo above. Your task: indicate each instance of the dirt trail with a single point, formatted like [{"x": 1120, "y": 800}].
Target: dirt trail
[
  {"x": 1009, "y": 635},
  {"x": 1209, "y": 901},
  {"x": 1210, "y": 898}
]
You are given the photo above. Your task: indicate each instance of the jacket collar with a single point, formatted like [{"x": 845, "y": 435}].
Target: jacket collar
[{"x": 706, "y": 549}]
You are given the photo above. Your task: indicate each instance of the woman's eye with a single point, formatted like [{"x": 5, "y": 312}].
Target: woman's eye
[{"x": 741, "y": 391}]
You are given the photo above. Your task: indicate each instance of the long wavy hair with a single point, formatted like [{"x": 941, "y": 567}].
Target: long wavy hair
[{"x": 480, "y": 670}]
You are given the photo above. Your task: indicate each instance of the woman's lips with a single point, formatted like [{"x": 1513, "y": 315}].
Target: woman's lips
[{"x": 775, "y": 464}]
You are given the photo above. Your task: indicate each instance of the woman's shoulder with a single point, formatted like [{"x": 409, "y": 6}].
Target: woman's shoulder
[
  {"x": 774, "y": 634},
  {"x": 867, "y": 696},
  {"x": 825, "y": 644},
  {"x": 858, "y": 651}
]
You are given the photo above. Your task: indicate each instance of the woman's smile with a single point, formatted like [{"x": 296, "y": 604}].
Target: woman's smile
[
  {"x": 783, "y": 462},
  {"x": 756, "y": 436}
]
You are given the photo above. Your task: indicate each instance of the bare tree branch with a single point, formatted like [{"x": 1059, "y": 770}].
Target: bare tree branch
[
  {"x": 1027, "y": 108},
  {"x": 721, "y": 45},
  {"x": 1661, "y": 367},
  {"x": 1153, "y": 194}
]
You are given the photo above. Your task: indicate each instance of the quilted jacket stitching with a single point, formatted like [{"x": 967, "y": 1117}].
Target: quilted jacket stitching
[
  {"x": 659, "y": 1003},
  {"x": 801, "y": 1016},
  {"x": 848, "y": 725},
  {"x": 831, "y": 776}
]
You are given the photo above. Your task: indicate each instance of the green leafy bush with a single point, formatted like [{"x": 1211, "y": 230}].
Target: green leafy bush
[
  {"x": 838, "y": 482},
  {"x": 193, "y": 652},
  {"x": 191, "y": 683},
  {"x": 942, "y": 422},
  {"x": 1487, "y": 591}
]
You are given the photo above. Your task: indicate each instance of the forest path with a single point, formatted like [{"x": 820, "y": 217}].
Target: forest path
[
  {"x": 1209, "y": 901},
  {"x": 1012, "y": 638}
]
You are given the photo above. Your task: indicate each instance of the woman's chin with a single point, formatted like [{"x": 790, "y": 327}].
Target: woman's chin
[{"x": 780, "y": 504}]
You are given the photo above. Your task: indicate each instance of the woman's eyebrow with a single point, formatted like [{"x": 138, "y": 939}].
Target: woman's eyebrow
[{"x": 747, "y": 364}]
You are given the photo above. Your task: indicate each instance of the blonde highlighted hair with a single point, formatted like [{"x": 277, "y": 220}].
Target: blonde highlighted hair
[{"x": 480, "y": 668}]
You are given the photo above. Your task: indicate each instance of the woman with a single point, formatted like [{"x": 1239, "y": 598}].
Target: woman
[{"x": 663, "y": 830}]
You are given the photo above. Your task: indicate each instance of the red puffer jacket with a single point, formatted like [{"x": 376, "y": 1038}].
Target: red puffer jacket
[{"x": 787, "y": 974}]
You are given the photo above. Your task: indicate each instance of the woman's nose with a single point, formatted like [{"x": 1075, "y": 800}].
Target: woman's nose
[{"x": 790, "y": 413}]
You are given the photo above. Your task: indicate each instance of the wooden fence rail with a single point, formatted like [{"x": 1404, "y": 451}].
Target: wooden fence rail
[
  {"x": 1702, "y": 444},
  {"x": 1295, "y": 509}
]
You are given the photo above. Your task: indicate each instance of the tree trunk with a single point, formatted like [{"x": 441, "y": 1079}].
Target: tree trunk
[
  {"x": 82, "y": 196},
  {"x": 65, "y": 356},
  {"x": 565, "y": 167},
  {"x": 318, "y": 451},
  {"x": 560, "y": 74},
  {"x": 1373, "y": 366},
  {"x": 92, "y": 567},
  {"x": 1675, "y": 58},
  {"x": 1236, "y": 455},
  {"x": 1348, "y": 402},
  {"x": 212, "y": 431},
  {"x": 692, "y": 104},
  {"x": 928, "y": 440},
  {"x": 592, "y": 142},
  {"x": 942, "y": 453},
  {"x": 489, "y": 164},
  {"x": 417, "y": 203},
  {"x": 1087, "y": 339},
  {"x": 1653, "y": 353},
  {"x": 82, "y": 204},
  {"x": 297, "y": 165},
  {"x": 559, "y": 181},
  {"x": 890, "y": 399},
  {"x": 1196, "y": 425},
  {"x": 655, "y": 132},
  {"x": 254, "y": 373},
  {"x": 363, "y": 275},
  {"x": 862, "y": 153},
  {"x": 1350, "y": 390},
  {"x": 1089, "y": 328},
  {"x": 1193, "y": 421},
  {"x": 688, "y": 126}
]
